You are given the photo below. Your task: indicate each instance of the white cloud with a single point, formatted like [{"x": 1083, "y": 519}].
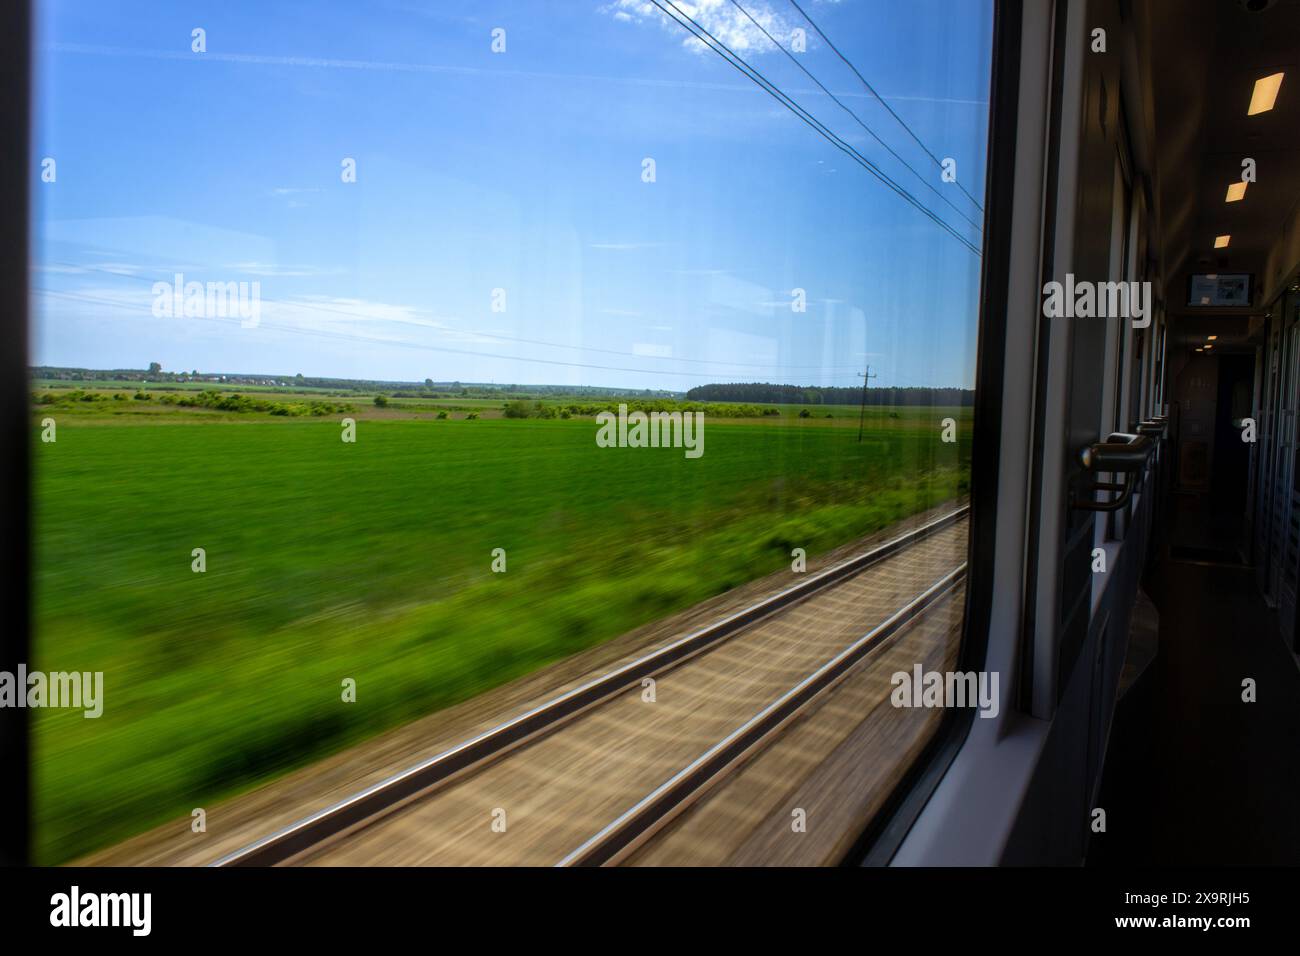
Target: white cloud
[
  {"x": 382, "y": 322},
  {"x": 721, "y": 18},
  {"x": 273, "y": 269},
  {"x": 650, "y": 350},
  {"x": 119, "y": 268}
]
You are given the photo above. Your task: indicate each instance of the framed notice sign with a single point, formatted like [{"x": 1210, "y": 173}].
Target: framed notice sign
[{"x": 1219, "y": 289}]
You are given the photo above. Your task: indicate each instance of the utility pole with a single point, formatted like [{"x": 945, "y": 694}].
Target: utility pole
[{"x": 862, "y": 415}]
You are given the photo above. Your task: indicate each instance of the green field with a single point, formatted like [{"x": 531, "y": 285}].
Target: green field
[{"x": 371, "y": 560}]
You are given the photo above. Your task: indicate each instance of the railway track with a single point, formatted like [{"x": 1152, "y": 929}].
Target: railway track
[{"x": 626, "y": 767}]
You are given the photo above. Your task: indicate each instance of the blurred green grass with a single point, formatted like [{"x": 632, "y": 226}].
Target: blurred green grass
[{"x": 372, "y": 560}]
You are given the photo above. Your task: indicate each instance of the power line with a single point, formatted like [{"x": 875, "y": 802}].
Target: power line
[
  {"x": 795, "y": 60},
  {"x": 772, "y": 90},
  {"x": 736, "y": 61},
  {"x": 872, "y": 90},
  {"x": 399, "y": 343},
  {"x": 494, "y": 335}
]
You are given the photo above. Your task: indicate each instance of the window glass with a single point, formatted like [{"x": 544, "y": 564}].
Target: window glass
[{"x": 403, "y": 365}]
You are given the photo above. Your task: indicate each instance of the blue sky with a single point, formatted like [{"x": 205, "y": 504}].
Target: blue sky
[{"x": 519, "y": 170}]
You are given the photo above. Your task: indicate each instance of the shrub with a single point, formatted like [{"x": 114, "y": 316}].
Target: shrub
[
  {"x": 714, "y": 409},
  {"x": 442, "y": 415},
  {"x": 234, "y": 402},
  {"x": 804, "y": 413},
  {"x": 471, "y": 416},
  {"x": 381, "y": 401}
]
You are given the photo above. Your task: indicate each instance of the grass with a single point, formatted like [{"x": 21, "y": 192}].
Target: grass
[
  {"x": 120, "y": 406},
  {"x": 371, "y": 561}
]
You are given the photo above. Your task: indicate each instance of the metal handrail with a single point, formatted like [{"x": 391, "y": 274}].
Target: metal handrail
[{"x": 1122, "y": 453}]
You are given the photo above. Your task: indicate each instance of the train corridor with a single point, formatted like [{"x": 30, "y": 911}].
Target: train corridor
[{"x": 1194, "y": 774}]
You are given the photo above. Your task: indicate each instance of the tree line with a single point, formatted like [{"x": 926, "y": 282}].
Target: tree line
[{"x": 828, "y": 395}]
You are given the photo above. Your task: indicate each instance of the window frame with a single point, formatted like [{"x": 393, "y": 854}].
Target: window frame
[
  {"x": 879, "y": 843},
  {"x": 15, "y": 524}
]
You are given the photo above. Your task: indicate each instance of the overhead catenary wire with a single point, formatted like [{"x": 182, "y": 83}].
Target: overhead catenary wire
[
  {"x": 401, "y": 343},
  {"x": 872, "y": 90},
  {"x": 857, "y": 119},
  {"x": 687, "y": 23},
  {"x": 700, "y": 32},
  {"x": 311, "y": 306}
]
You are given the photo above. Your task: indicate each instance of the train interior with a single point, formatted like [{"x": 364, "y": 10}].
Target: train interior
[
  {"x": 1175, "y": 164},
  {"x": 1223, "y": 569}
]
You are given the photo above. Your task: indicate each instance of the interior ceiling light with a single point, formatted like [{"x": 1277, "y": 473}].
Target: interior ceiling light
[
  {"x": 1210, "y": 338},
  {"x": 1221, "y": 242},
  {"x": 1208, "y": 345},
  {"x": 1236, "y": 192},
  {"x": 1265, "y": 95}
]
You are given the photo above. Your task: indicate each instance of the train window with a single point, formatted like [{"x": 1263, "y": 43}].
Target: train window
[{"x": 509, "y": 403}]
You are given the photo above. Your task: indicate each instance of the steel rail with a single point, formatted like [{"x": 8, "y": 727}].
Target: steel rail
[
  {"x": 399, "y": 789},
  {"x": 649, "y": 815}
]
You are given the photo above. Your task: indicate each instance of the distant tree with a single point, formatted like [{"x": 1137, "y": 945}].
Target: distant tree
[
  {"x": 154, "y": 368},
  {"x": 381, "y": 401},
  {"x": 428, "y": 383},
  {"x": 815, "y": 395}
]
